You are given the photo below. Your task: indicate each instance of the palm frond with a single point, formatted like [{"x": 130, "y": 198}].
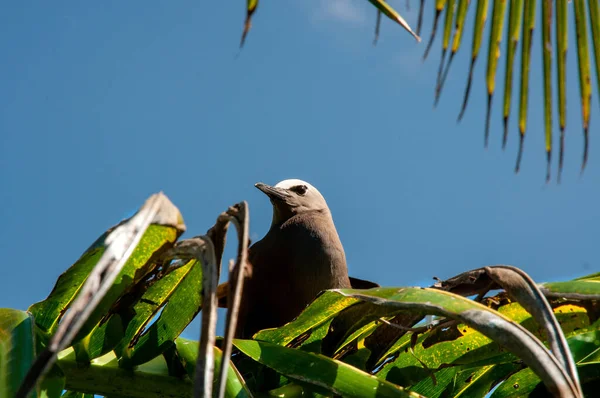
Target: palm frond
[{"x": 520, "y": 18}]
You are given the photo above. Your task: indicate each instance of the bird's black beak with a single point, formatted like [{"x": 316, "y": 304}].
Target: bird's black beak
[{"x": 272, "y": 192}]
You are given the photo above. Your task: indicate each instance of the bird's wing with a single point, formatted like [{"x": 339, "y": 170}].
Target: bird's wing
[
  {"x": 362, "y": 284},
  {"x": 223, "y": 288}
]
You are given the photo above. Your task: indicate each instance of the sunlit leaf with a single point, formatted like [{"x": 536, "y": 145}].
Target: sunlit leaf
[{"x": 324, "y": 372}]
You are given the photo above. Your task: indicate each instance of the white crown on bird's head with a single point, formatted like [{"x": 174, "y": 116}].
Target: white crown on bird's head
[{"x": 292, "y": 182}]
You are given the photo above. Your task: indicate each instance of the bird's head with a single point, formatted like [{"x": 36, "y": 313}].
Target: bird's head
[{"x": 291, "y": 197}]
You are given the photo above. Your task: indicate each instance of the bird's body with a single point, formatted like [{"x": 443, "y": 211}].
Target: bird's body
[{"x": 300, "y": 256}]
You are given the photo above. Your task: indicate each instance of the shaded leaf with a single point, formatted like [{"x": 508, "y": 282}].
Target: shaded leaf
[
  {"x": 17, "y": 349},
  {"x": 187, "y": 352}
]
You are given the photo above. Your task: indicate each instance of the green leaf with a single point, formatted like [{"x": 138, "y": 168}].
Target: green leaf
[
  {"x": 477, "y": 382},
  {"x": 528, "y": 26},
  {"x": 180, "y": 309},
  {"x": 327, "y": 305},
  {"x": 480, "y": 18},
  {"x": 581, "y": 288},
  {"x": 335, "y": 376},
  {"x": 461, "y": 15},
  {"x": 547, "y": 59},
  {"x": 48, "y": 313},
  {"x": 461, "y": 345},
  {"x": 494, "y": 325},
  {"x": 585, "y": 78},
  {"x": 394, "y": 16},
  {"x": 439, "y": 7},
  {"x": 52, "y": 384},
  {"x": 17, "y": 349},
  {"x": 104, "y": 377},
  {"x": 445, "y": 43},
  {"x": 126, "y": 260},
  {"x": 582, "y": 345},
  {"x": 235, "y": 386},
  {"x": 124, "y": 328},
  {"x": 562, "y": 40},
  {"x": 512, "y": 39},
  {"x": 499, "y": 9}
]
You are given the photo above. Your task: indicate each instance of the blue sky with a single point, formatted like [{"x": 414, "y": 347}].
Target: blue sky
[{"x": 105, "y": 103}]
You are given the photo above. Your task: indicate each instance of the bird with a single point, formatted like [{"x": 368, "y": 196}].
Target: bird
[{"x": 300, "y": 256}]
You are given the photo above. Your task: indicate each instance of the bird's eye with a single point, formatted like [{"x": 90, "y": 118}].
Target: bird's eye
[{"x": 299, "y": 189}]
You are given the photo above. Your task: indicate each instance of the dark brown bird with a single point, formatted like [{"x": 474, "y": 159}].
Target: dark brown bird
[{"x": 300, "y": 256}]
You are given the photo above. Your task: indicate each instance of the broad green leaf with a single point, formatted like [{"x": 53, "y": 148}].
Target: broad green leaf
[
  {"x": 235, "y": 386},
  {"x": 109, "y": 278},
  {"x": 477, "y": 382},
  {"x": 314, "y": 341},
  {"x": 585, "y": 287},
  {"x": 17, "y": 349},
  {"x": 462, "y": 345},
  {"x": 125, "y": 326},
  {"x": 74, "y": 394},
  {"x": 104, "y": 377},
  {"x": 352, "y": 323},
  {"x": 525, "y": 383},
  {"x": 180, "y": 309},
  {"x": 47, "y": 313},
  {"x": 494, "y": 325},
  {"x": 327, "y": 305},
  {"x": 520, "y": 384},
  {"x": 589, "y": 374},
  {"x": 52, "y": 384},
  {"x": 335, "y": 376},
  {"x": 582, "y": 345},
  {"x": 585, "y": 346},
  {"x": 431, "y": 387}
]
